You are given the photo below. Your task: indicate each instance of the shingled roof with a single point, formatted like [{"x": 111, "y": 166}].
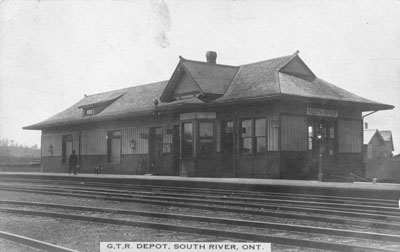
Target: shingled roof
[
  {"x": 260, "y": 80},
  {"x": 387, "y": 137}
]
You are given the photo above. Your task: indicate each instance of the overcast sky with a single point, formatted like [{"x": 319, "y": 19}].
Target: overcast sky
[{"x": 54, "y": 52}]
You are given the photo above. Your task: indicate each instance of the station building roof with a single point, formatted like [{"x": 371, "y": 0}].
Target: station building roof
[{"x": 208, "y": 84}]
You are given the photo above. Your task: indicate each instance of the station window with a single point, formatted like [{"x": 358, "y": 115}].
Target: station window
[
  {"x": 310, "y": 137},
  {"x": 89, "y": 111},
  {"x": 253, "y": 136},
  {"x": 167, "y": 139},
  {"x": 246, "y": 146},
  {"x": 187, "y": 140},
  {"x": 325, "y": 131},
  {"x": 114, "y": 147},
  {"x": 206, "y": 133},
  {"x": 260, "y": 139}
]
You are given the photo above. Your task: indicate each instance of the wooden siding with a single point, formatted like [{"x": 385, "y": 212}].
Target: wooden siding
[
  {"x": 185, "y": 85},
  {"x": 350, "y": 136},
  {"x": 141, "y": 138},
  {"x": 75, "y": 142},
  {"x": 273, "y": 133},
  {"x": 94, "y": 142},
  {"x": 218, "y": 136},
  {"x": 54, "y": 140},
  {"x": 293, "y": 133}
]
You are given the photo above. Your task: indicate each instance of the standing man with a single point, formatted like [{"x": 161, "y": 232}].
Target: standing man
[{"x": 73, "y": 161}]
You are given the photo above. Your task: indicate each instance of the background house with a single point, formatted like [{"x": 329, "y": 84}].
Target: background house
[{"x": 378, "y": 155}]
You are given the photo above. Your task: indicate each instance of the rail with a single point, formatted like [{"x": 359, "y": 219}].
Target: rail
[{"x": 33, "y": 243}]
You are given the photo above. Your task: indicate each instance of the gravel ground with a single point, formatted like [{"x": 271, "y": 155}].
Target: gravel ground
[
  {"x": 188, "y": 211},
  {"x": 84, "y": 236},
  {"x": 287, "y": 234},
  {"x": 12, "y": 247}
]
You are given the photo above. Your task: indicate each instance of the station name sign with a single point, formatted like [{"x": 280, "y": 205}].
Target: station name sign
[
  {"x": 322, "y": 112},
  {"x": 198, "y": 115}
]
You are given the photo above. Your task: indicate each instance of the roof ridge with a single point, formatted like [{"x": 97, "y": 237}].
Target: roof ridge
[
  {"x": 295, "y": 54},
  {"x": 253, "y": 63},
  {"x": 210, "y": 64}
]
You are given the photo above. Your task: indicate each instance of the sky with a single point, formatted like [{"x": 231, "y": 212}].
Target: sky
[{"x": 52, "y": 52}]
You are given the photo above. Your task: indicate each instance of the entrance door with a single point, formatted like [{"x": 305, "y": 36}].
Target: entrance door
[
  {"x": 155, "y": 150},
  {"x": 321, "y": 146},
  {"x": 205, "y": 165},
  {"x": 175, "y": 149},
  {"x": 68, "y": 150},
  {"x": 227, "y": 148}
]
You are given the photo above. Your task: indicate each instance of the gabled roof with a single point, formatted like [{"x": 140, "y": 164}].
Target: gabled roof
[
  {"x": 387, "y": 137},
  {"x": 298, "y": 68},
  {"x": 209, "y": 78},
  {"x": 269, "y": 78},
  {"x": 254, "y": 80},
  {"x": 372, "y": 133},
  {"x": 386, "y": 134},
  {"x": 284, "y": 78},
  {"x": 134, "y": 100}
]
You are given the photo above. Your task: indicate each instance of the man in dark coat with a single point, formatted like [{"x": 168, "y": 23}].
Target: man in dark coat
[{"x": 73, "y": 161}]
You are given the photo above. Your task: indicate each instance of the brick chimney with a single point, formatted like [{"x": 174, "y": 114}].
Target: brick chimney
[{"x": 211, "y": 57}]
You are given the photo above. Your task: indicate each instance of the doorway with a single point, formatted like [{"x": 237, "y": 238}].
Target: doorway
[
  {"x": 175, "y": 149},
  {"x": 155, "y": 151},
  {"x": 227, "y": 148},
  {"x": 322, "y": 147}
]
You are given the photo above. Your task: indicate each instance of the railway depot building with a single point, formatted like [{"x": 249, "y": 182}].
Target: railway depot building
[{"x": 269, "y": 119}]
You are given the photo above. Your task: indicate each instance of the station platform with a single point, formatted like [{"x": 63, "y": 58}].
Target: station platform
[{"x": 342, "y": 189}]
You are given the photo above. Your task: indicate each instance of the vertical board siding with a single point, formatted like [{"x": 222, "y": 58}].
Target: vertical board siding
[
  {"x": 56, "y": 141},
  {"x": 273, "y": 133},
  {"x": 75, "y": 142},
  {"x": 140, "y": 136},
  {"x": 185, "y": 85},
  {"x": 350, "y": 136},
  {"x": 218, "y": 135},
  {"x": 94, "y": 142},
  {"x": 84, "y": 142},
  {"x": 293, "y": 133}
]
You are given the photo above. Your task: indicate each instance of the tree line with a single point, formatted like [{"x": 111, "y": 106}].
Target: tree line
[{"x": 13, "y": 153}]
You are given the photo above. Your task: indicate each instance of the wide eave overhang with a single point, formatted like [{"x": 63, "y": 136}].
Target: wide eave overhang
[{"x": 362, "y": 106}]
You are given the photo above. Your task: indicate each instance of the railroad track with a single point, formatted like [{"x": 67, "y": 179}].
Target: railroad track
[
  {"x": 250, "y": 234},
  {"x": 282, "y": 199},
  {"x": 40, "y": 245},
  {"x": 371, "y": 213},
  {"x": 377, "y": 213},
  {"x": 247, "y": 195}
]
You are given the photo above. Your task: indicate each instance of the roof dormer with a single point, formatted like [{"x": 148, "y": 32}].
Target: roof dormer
[
  {"x": 97, "y": 106},
  {"x": 205, "y": 80},
  {"x": 296, "y": 67}
]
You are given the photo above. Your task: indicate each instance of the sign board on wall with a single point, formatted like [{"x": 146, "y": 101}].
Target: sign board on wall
[
  {"x": 322, "y": 112},
  {"x": 198, "y": 115}
]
